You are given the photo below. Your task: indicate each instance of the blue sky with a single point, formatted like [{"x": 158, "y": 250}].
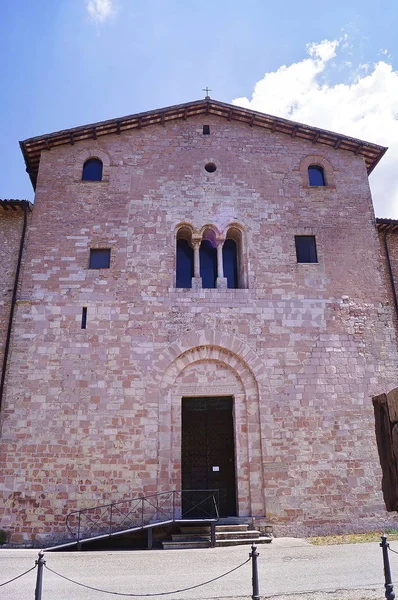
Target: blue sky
[{"x": 71, "y": 62}]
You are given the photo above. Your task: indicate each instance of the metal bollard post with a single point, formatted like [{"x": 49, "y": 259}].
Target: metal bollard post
[
  {"x": 253, "y": 555},
  {"x": 389, "y": 593},
  {"x": 79, "y": 546},
  {"x": 212, "y": 534},
  {"x": 39, "y": 579}
]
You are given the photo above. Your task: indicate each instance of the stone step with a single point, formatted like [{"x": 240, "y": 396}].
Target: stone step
[
  {"x": 224, "y": 528},
  {"x": 187, "y": 537},
  {"x": 234, "y": 521},
  {"x": 202, "y": 530},
  {"x": 227, "y": 534},
  {"x": 241, "y": 541},
  {"x": 185, "y": 545},
  {"x": 230, "y": 535}
]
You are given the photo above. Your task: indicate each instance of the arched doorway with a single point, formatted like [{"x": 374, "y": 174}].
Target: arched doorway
[{"x": 212, "y": 371}]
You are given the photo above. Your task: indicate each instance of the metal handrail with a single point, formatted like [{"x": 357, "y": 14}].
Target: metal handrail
[{"x": 142, "y": 512}]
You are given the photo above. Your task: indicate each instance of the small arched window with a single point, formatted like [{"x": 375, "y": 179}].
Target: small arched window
[
  {"x": 316, "y": 175},
  {"x": 208, "y": 264},
  {"x": 92, "y": 170},
  {"x": 185, "y": 264},
  {"x": 230, "y": 263}
]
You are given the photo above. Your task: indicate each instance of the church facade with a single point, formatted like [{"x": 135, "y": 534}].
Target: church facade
[{"x": 204, "y": 301}]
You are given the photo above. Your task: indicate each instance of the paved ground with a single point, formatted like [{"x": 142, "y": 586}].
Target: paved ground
[{"x": 288, "y": 567}]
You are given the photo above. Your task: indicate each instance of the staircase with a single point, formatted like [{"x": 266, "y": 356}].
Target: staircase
[
  {"x": 194, "y": 511},
  {"x": 229, "y": 532},
  {"x": 141, "y": 513}
]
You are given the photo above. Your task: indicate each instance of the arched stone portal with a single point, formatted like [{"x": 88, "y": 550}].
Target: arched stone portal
[{"x": 213, "y": 367}]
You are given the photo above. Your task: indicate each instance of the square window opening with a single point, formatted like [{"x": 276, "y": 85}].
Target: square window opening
[{"x": 100, "y": 258}]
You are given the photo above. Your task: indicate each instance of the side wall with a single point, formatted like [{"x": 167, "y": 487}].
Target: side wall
[
  {"x": 388, "y": 235},
  {"x": 11, "y": 223}
]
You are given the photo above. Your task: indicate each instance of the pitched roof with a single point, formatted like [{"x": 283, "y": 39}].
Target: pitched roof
[
  {"x": 32, "y": 147},
  {"x": 387, "y": 224},
  {"x": 15, "y": 204}
]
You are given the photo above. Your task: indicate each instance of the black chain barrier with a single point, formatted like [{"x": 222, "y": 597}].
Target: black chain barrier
[
  {"x": 18, "y": 576},
  {"x": 148, "y": 595}
]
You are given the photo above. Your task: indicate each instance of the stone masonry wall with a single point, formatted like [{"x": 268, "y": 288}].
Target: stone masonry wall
[
  {"x": 94, "y": 415},
  {"x": 392, "y": 243},
  {"x": 11, "y": 222}
]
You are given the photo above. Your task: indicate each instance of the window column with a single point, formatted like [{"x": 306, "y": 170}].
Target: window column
[
  {"x": 196, "y": 279},
  {"x": 221, "y": 280}
]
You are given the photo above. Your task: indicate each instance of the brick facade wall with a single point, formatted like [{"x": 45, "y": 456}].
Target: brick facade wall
[{"x": 95, "y": 415}]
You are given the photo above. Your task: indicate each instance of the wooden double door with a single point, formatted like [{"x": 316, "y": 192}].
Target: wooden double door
[{"x": 208, "y": 451}]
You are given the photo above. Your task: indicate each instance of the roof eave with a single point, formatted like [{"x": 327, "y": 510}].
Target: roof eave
[
  {"x": 14, "y": 204},
  {"x": 387, "y": 224},
  {"x": 32, "y": 147}
]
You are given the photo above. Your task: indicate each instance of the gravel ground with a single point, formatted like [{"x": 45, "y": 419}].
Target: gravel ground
[{"x": 288, "y": 567}]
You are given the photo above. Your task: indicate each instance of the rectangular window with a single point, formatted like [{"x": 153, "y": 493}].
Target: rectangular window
[
  {"x": 100, "y": 258},
  {"x": 306, "y": 249},
  {"x": 206, "y": 129},
  {"x": 84, "y": 317}
]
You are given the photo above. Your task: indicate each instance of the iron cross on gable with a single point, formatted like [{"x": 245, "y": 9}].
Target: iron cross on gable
[{"x": 207, "y": 90}]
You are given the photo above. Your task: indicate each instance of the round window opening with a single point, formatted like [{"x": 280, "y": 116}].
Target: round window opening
[{"x": 210, "y": 167}]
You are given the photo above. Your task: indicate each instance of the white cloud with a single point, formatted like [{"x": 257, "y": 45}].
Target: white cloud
[
  {"x": 101, "y": 10},
  {"x": 324, "y": 51},
  {"x": 366, "y": 108}
]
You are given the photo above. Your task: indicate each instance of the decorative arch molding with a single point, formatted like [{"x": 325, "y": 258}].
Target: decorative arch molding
[
  {"x": 234, "y": 225},
  {"x": 221, "y": 233},
  {"x": 210, "y": 231},
  {"x": 93, "y": 152},
  {"x": 194, "y": 352},
  {"x": 211, "y": 354},
  {"x": 184, "y": 227},
  {"x": 177, "y": 225},
  {"x": 211, "y": 337},
  {"x": 319, "y": 161}
]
